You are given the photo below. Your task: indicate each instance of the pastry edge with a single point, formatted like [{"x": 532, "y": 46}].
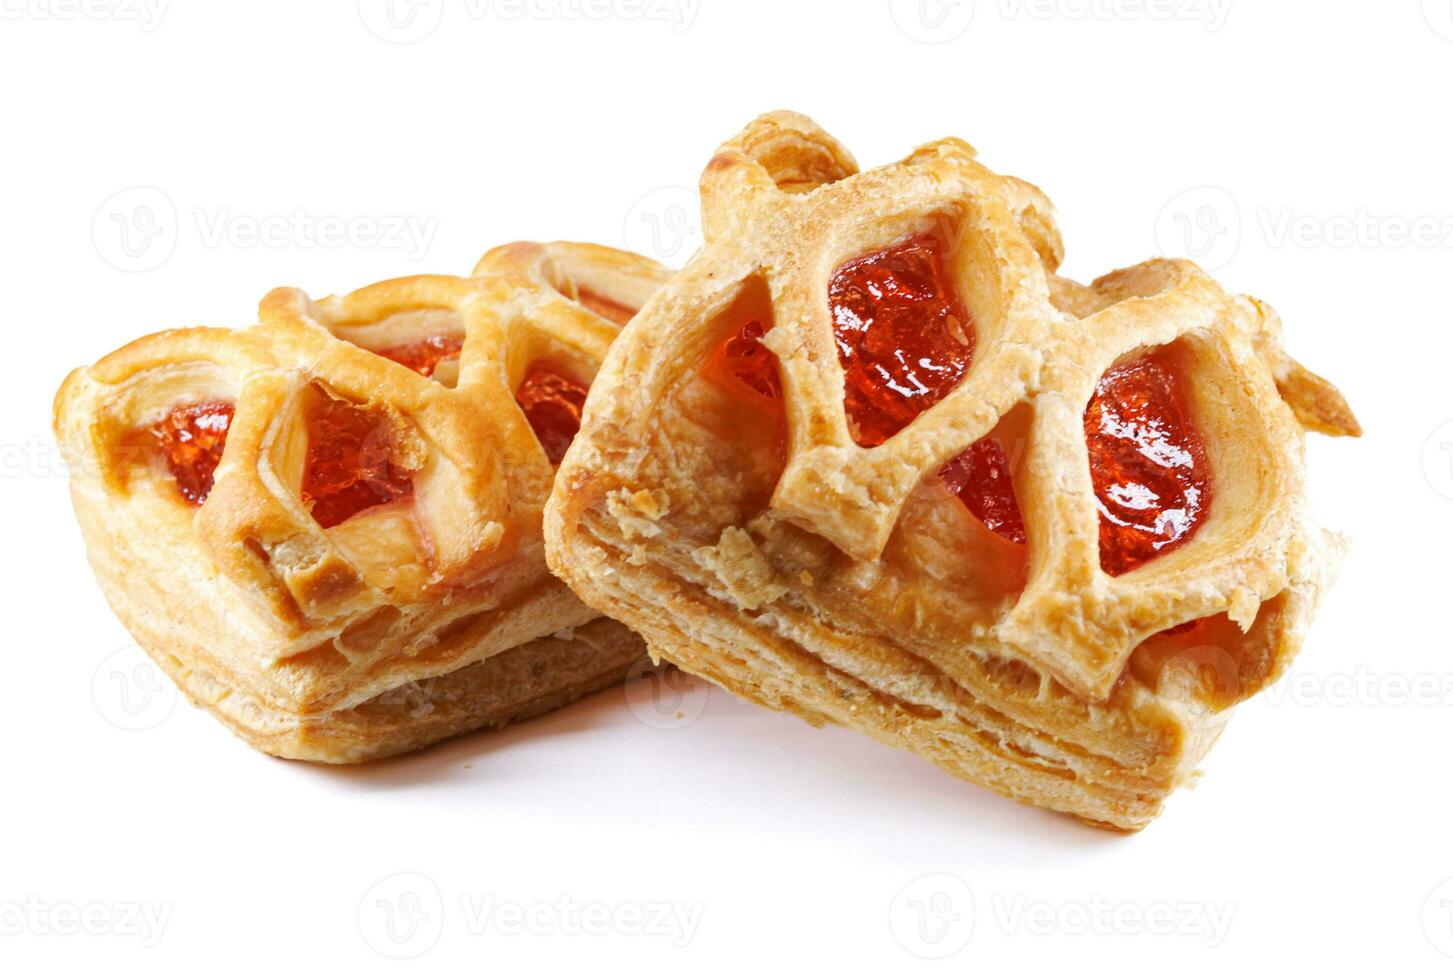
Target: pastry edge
[{"x": 812, "y": 690}]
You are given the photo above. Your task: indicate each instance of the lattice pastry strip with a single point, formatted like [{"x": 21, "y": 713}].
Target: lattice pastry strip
[
  {"x": 303, "y": 519},
  {"x": 728, "y": 540}
]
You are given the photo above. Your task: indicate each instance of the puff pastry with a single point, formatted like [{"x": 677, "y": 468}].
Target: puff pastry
[
  {"x": 869, "y": 459},
  {"x": 327, "y": 527}
]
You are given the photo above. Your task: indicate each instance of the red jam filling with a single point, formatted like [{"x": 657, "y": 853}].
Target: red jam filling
[
  {"x": 905, "y": 340},
  {"x": 744, "y": 362},
  {"x": 1147, "y": 463},
  {"x": 608, "y": 308},
  {"x": 980, "y": 477},
  {"x": 903, "y": 337},
  {"x": 424, "y": 356},
  {"x": 552, "y": 401},
  {"x": 349, "y": 467},
  {"x": 192, "y": 438}
]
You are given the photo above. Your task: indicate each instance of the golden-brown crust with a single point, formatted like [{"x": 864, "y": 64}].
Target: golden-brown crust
[
  {"x": 847, "y": 585},
  {"x": 281, "y": 626}
]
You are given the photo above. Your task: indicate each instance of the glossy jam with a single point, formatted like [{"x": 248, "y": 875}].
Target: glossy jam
[
  {"x": 552, "y": 400},
  {"x": 904, "y": 339},
  {"x": 610, "y": 309},
  {"x": 743, "y": 362},
  {"x": 349, "y": 467},
  {"x": 424, "y": 356},
  {"x": 980, "y": 476},
  {"x": 192, "y": 438},
  {"x": 1147, "y": 463}
]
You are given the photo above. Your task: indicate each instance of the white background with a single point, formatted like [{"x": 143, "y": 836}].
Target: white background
[{"x": 1290, "y": 144}]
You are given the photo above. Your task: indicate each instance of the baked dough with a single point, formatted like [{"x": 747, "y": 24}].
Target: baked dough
[
  {"x": 430, "y": 612},
  {"x": 810, "y": 572}
]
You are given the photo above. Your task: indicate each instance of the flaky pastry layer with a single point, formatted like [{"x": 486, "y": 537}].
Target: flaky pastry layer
[
  {"x": 410, "y": 620},
  {"x": 845, "y": 583}
]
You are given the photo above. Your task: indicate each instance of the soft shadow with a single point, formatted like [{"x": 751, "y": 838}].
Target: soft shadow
[
  {"x": 769, "y": 771},
  {"x": 453, "y": 758}
]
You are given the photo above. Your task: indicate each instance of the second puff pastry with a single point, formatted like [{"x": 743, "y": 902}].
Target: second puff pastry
[
  {"x": 327, "y": 528},
  {"x": 868, "y": 458}
]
